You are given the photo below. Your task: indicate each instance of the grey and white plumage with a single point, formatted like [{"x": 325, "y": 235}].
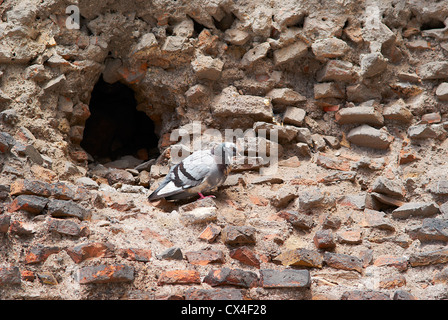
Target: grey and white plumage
[{"x": 200, "y": 172}]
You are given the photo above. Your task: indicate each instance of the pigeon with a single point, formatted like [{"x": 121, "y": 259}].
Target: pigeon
[{"x": 201, "y": 171}]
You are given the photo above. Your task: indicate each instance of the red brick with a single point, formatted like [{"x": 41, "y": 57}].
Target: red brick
[
  {"x": 235, "y": 235},
  {"x": 47, "y": 278},
  {"x": 179, "y": 277},
  {"x": 234, "y": 277},
  {"x": 401, "y": 263},
  {"x": 246, "y": 256},
  {"x": 324, "y": 239},
  {"x": 343, "y": 261},
  {"x": 210, "y": 233},
  {"x": 301, "y": 258},
  {"x": 5, "y": 221},
  {"x": 86, "y": 251},
  {"x": 60, "y": 190},
  {"x": 29, "y": 203},
  {"x": 33, "y": 187},
  {"x": 28, "y": 275},
  {"x": 204, "y": 257},
  {"x": 39, "y": 253},
  {"x": 349, "y": 236},
  {"x": 65, "y": 227},
  {"x": 105, "y": 274},
  {"x": 135, "y": 254},
  {"x": 67, "y": 208},
  {"x": 9, "y": 276},
  {"x": 393, "y": 282}
]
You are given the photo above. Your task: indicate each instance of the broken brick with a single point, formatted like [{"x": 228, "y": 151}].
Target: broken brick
[
  {"x": 210, "y": 233},
  {"x": 246, "y": 256},
  {"x": 5, "y": 221},
  {"x": 32, "y": 187},
  {"x": 10, "y": 276},
  {"x": 105, "y": 274},
  {"x": 65, "y": 227},
  {"x": 39, "y": 253},
  {"x": 234, "y": 277},
  {"x": 90, "y": 250},
  {"x": 179, "y": 277},
  {"x": 343, "y": 261},
  {"x": 29, "y": 203},
  {"x": 62, "y": 191},
  {"x": 288, "y": 278},
  {"x": 301, "y": 257},
  {"x": 204, "y": 257},
  {"x": 401, "y": 263},
  {"x": 135, "y": 254},
  {"x": 67, "y": 208},
  {"x": 236, "y": 235},
  {"x": 324, "y": 239}
]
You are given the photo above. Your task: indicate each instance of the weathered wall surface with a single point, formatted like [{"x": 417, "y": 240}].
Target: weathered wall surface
[{"x": 356, "y": 210}]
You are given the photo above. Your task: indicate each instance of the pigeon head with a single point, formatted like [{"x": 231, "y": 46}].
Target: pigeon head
[{"x": 225, "y": 152}]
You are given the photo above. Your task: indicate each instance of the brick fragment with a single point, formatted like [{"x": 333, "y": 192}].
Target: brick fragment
[
  {"x": 28, "y": 275},
  {"x": 246, "y": 256},
  {"x": 67, "y": 208},
  {"x": 288, "y": 278},
  {"x": 5, "y": 221},
  {"x": 20, "y": 228},
  {"x": 33, "y": 187},
  {"x": 324, "y": 239},
  {"x": 428, "y": 258},
  {"x": 301, "y": 257},
  {"x": 136, "y": 254},
  {"x": 65, "y": 227},
  {"x": 29, "y": 203},
  {"x": 105, "y": 274},
  {"x": 47, "y": 278},
  {"x": 39, "y": 253},
  {"x": 433, "y": 229},
  {"x": 237, "y": 235},
  {"x": 10, "y": 276},
  {"x": 86, "y": 251},
  {"x": 204, "y": 257},
  {"x": 393, "y": 282},
  {"x": 179, "y": 277},
  {"x": 298, "y": 220},
  {"x": 401, "y": 263},
  {"x": 234, "y": 277},
  {"x": 210, "y": 233},
  {"x": 61, "y": 191},
  {"x": 343, "y": 261},
  {"x": 420, "y": 209}
]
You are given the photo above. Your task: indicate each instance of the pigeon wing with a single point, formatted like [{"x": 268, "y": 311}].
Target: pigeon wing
[{"x": 189, "y": 173}]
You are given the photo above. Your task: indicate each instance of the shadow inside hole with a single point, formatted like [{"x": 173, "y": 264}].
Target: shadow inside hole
[{"x": 115, "y": 127}]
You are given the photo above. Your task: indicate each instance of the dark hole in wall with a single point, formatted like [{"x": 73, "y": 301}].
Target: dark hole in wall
[
  {"x": 115, "y": 127},
  {"x": 432, "y": 24}
]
